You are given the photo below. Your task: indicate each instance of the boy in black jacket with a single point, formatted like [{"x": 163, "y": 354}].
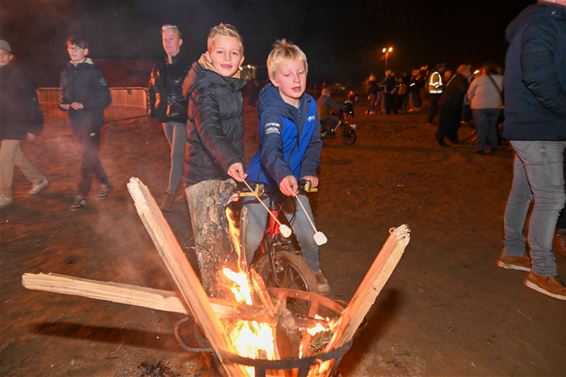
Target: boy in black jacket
[
  {"x": 85, "y": 95},
  {"x": 215, "y": 152}
]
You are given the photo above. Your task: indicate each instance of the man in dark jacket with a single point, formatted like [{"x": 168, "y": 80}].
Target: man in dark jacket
[
  {"x": 168, "y": 104},
  {"x": 535, "y": 123},
  {"x": 85, "y": 95},
  {"x": 451, "y": 103},
  {"x": 20, "y": 119}
]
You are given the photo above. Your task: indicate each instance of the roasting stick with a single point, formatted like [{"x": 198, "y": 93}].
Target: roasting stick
[
  {"x": 284, "y": 229},
  {"x": 319, "y": 237}
]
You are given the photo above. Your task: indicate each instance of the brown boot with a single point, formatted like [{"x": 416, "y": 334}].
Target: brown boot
[{"x": 167, "y": 202}]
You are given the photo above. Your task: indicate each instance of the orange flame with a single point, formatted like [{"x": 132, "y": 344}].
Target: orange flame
[{"x": 255, "y": 339}]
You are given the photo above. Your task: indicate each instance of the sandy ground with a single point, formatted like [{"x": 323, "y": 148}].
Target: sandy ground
[{"x": 446, "y": 311}]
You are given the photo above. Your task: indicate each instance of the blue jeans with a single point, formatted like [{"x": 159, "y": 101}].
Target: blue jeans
[
  {"x": 257, "y": 220},
  {"x": 176, "y": 134},
  {"x": 538, "y": 176},
  {"x": 486, "y": 124}
]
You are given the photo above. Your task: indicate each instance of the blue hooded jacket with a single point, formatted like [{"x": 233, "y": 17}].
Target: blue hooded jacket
[
  {"x": 535, "y": 74},
  {"x": 289, "y": 139}
]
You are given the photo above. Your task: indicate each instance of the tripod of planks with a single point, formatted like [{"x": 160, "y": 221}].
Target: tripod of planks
[{"x": 193, "y": 298}]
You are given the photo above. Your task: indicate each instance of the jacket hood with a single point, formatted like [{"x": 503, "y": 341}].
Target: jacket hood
[
  {"x": 532, "y": 12},
  {"x": 200, "y": 77},
  {"x": 269, "y": 98}
]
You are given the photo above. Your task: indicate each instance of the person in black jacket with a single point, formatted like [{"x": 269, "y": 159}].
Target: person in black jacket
[
  {"x": 535, "y": 124},
  {"x": 215, "y": 151},
  {"x": 169, "y": 105},
  {"x": 20, "y": 118},
  {"x": 85, "y": 95},
  {"x": 451, "y": 103}
]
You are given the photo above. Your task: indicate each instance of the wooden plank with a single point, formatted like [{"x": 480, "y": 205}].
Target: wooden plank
[
  {"x": 132, "y": 295},
  {"x": 182, "y": 272},
  {"x": 371, "y": 286}
]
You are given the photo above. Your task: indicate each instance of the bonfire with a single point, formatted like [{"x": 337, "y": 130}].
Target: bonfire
[{"x": 258, "y": 331}]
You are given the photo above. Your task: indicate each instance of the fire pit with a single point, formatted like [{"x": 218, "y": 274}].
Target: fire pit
[
  {"x": 263, "y": 331},
  {"x": 321, "y": 364}
]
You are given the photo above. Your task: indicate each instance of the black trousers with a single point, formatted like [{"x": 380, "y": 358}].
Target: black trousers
[
  {"x": 89, "y": 143},
  {"x": 434, "y": 98},
  {"x": 449, "y": 123}
]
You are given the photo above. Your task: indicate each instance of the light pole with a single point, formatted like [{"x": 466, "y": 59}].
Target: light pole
[{"x": 387, "y": 51}]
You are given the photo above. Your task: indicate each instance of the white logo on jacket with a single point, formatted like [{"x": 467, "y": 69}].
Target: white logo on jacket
[{"x": 272, "y": 128}]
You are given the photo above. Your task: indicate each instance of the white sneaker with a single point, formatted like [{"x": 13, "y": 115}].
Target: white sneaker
[
  {"x": 5, "y": 201},
  {"x": 39, "y": 187}
]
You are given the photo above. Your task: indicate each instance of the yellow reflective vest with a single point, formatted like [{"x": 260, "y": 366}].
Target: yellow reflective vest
[{"x": 435, "y": 85}]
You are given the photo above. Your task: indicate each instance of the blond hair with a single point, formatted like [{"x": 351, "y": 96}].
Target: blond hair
[
  {"x": 226, "y": 30},
  {"x": 284, "y": 51}
]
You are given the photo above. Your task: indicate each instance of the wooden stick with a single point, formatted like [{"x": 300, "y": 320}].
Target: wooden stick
[
  {"x": 371, "y": 286},
  {"x": 262, "y": 203},
  {"x": 182, "y": 272},
  {"x": 306, "y": 214},
  {"x": 132, "y": 295},
  {"x": 262, "y": 293}
]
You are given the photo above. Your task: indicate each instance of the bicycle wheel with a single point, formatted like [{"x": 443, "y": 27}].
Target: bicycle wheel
[
  {"x": 291, "y": 270},
  {"x": 349, "y": 134}
]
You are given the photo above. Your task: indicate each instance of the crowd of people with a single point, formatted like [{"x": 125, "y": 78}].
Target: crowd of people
[{"x": 201, "y": 110}]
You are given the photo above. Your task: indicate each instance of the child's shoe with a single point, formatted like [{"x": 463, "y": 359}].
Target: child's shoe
[
  {"x": 78, "y": 203},
  {"x": 105, "y": 190}
]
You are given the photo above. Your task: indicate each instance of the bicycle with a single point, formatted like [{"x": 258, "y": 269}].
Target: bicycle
[
  {"x": 279, "y": 260},
  {"x": 344, "y": 120}
]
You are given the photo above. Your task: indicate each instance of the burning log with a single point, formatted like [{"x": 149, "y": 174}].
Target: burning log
[
  {"x": 213, "y": 246},
  {"x": 135, "y": 295},
  {"x": 371, "y": 286},
  {"x": 182, "y": 272}
]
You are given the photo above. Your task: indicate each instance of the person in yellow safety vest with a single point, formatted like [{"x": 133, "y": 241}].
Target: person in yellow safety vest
[{"x": 435, "y": 88}]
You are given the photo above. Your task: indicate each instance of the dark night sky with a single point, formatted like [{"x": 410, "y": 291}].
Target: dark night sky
[{"x": 342, "y": 39}]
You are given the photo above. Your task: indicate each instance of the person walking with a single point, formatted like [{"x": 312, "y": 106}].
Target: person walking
[
  {"x": 85, "y": 95},
  {"x": 169, "y": 106},
  {"x": 535, "y": 124},
  {"x": 20, "y": 119}
]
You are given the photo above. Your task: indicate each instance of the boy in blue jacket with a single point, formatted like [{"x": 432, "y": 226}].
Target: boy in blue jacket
[{"x": 289, "y": 150}]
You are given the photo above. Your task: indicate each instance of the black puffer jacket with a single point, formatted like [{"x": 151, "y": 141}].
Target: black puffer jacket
[
  {"x": 535, "y": 74},
  {"x": 214, "y": 125},
  {"x": 166, "y": 100},
  {"x": 84, "y": 83},
  {"x": 19, "y": 110}
]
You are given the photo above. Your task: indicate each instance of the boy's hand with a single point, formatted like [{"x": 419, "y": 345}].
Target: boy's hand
[
  {"x": 236, "y": 171},
  {"x": 30, "y": 137},
  {"x": 65, "y": 106},
  {"x": 289, "y": 185},
  {"x": 312, "y": 179},
  {"x": 77, "y": 106}
]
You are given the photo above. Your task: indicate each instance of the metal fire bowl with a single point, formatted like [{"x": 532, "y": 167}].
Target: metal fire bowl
[{"x": 198, "y": 343}]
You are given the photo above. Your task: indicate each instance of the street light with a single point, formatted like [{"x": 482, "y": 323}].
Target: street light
[{"x": 387, "y": 51}]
